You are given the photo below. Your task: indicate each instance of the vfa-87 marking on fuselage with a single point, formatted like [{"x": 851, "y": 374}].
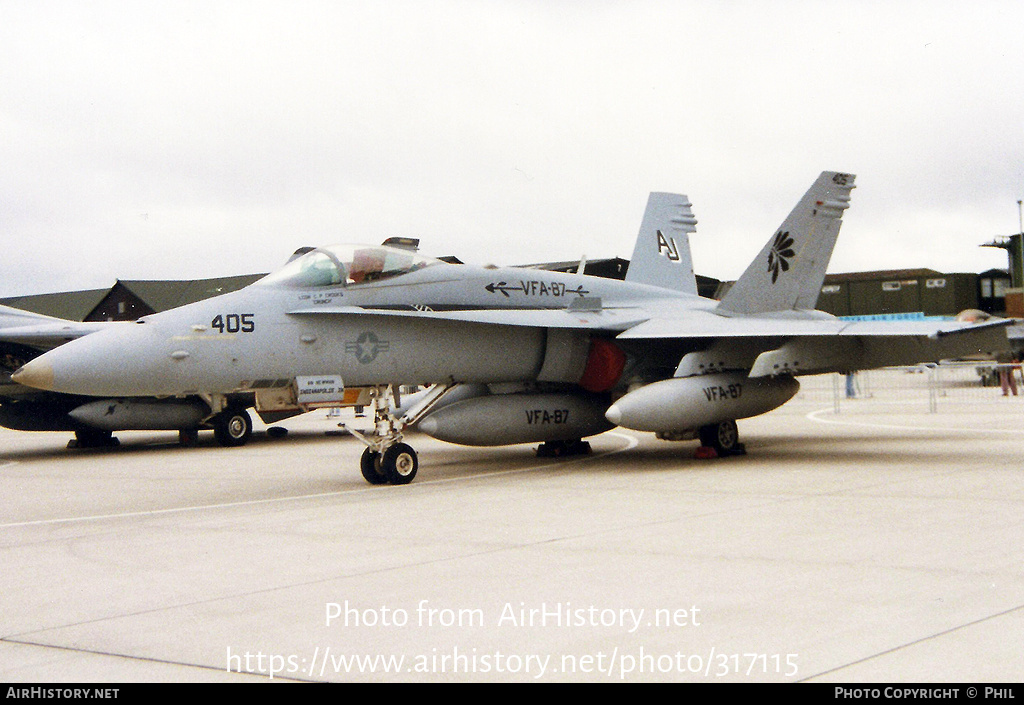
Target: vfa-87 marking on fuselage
[
  {"x": 536, "y": 287},
  {"x": 511, "y": 357}
]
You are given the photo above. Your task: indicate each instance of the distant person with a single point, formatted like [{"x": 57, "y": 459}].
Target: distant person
[
  {"x": 851, "y": 385},
  {"x": 1007, "y": 374}
]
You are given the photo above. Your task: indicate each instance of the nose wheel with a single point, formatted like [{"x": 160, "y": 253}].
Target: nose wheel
[
  {"x": 397, "y": 465},
  {"x": 369, "y": 466}
]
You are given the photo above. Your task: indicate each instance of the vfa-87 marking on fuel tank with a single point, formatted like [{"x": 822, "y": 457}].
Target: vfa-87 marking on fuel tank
[
  {"x": 509, "y": 357},
  {"x": 714, "y": 393},
  {"x": 547, "y": 416},
  {"x": 537, "y": 287}
]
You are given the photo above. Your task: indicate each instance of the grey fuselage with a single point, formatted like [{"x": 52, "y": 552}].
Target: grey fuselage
[{"x": 269, "y": 332}]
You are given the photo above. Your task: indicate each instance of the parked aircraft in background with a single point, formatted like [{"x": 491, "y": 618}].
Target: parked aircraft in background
[
  {"x": 24, "y": 336},
  {"x": 514, "y": 355}
]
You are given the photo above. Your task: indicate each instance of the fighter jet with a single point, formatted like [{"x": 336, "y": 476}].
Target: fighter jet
[{"x": 511, "y": 355}]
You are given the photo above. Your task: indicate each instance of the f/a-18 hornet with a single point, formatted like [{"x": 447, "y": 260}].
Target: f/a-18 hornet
[{"x": 514, "y": 355}]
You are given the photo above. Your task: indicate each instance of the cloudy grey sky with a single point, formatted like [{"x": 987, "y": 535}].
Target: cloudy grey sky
[{"x": 146, "y": 140}]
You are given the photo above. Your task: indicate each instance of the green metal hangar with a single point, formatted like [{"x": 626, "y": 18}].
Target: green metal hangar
[
  {"x": 126, "y": 300},
  {"x": 906, "y": 291}
]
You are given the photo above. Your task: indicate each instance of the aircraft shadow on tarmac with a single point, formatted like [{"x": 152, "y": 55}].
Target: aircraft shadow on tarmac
[
  {"x": 162, "y": 442},
  {"x": 612, "y": 453}
]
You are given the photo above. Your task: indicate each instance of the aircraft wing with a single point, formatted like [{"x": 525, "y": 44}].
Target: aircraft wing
[
  {"x": 710, "y": 325},
  {"x": 39, "y": 331},
  {"x": 583, "y": 316},
  {"x": 638, "y": 324},
  {"x": 773, "y": 346},
  {"x": 764, "y": 345},
  {"x": 47, "y": 336}
]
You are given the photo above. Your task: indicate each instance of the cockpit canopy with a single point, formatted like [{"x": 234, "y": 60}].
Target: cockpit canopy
[{"x": 344, "y": 265}]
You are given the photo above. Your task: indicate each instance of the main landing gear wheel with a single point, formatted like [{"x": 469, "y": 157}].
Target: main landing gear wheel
[
  {"x": 232, "y": 427},
  {"x": 563, "y": 449},
  {"x": 724, "y": 437},
  {"x": 399, "y": 464},
  {"x": 369, "y": 465},
  {"x": 93, "y": 438}
]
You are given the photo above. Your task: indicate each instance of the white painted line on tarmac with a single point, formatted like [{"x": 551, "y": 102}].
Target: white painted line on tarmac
[
  {"x": 631, "y": 442},
  {"x": 814, "y": 416}
]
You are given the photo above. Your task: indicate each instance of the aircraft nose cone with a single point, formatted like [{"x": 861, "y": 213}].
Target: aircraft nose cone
[{"x": 37, "y": 373}]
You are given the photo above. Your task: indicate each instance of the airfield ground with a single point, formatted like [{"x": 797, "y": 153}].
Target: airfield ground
[{"x": 883, "y": 543}]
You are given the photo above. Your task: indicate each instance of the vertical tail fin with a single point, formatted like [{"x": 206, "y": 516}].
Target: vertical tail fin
[
  {"x": 661, "y": 256},
  {"x": 789, "y": 272}
]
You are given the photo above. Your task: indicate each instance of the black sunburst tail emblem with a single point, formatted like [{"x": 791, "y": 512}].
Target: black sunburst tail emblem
[{"x": 780, "y": 254}]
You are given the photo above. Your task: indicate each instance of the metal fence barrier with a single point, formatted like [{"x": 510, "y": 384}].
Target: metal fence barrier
[{"x": 930, "y": 387}]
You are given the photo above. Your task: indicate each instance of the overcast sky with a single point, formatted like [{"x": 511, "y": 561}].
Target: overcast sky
[{"x": 145, "y": 140}]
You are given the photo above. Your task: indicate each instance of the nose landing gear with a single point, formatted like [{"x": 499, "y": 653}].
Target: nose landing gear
[{"x": 387, "y": 459}]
